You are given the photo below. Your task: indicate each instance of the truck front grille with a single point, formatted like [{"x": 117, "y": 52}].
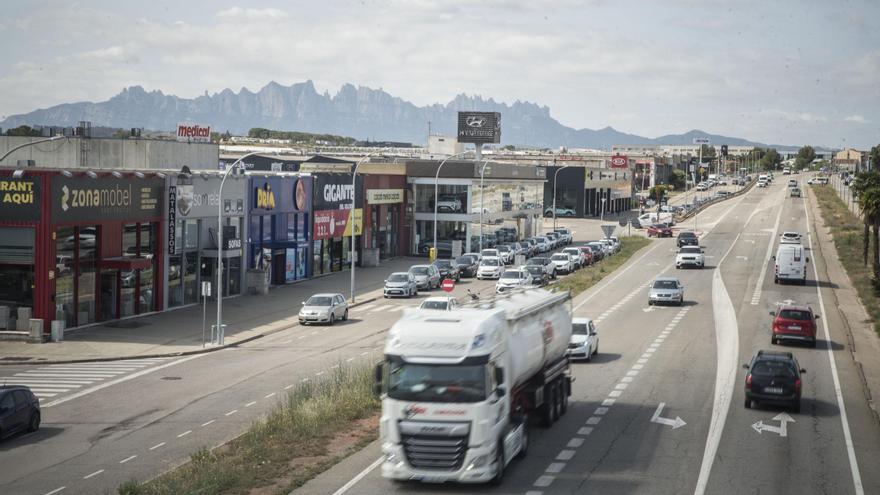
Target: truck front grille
[{"x": 430, "y": 452}]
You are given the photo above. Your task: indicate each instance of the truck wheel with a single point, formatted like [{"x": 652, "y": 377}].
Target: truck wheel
[
  {"x": 563, "y": 398},
  {"x": 549, "y": 411},
  {"x": 499, "y": 462}
]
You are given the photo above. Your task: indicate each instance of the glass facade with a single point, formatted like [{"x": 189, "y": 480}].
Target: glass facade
[
  {"x": 451, "y": 198},
  {"x": 183, "y": 266},
  {"x": 16, "y": 268},
  {"x": 86, "y": 256}
]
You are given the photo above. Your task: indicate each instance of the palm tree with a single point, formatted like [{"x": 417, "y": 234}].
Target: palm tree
[{"x": 867, "y": 189}]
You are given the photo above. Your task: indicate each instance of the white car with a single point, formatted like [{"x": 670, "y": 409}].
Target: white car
[
  {"x": 439, "y": 304},
  {"x": 490, "y": 267},
  {"x": 323, "y": 308},
  {"x": 475, "y": 255},
  {"x": 544, "y": 244},
  {"x": 790, "y": 237},
  {"x": 584, "y": 343},
  {"x": 565, "y": 233},
  {"x": 579, "y": 255},
  {"x": 690, "y": 256},
  {"x": 762, "y": 183},
  {"x": 490, "y": 253},
  {"x": 609, "y": 246},
  {"x": 564, "y": 262},
  {"x": 513, "y": 279},
  {"x": 506, "y": 253}
]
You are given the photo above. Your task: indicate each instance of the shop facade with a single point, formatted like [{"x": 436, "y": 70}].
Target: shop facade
[
  {"x": 333, "y": 219},
  {"x": 280, "y": 226},
  {"x": 385, "y": 228},
  {"x": 191, "y": 242}
]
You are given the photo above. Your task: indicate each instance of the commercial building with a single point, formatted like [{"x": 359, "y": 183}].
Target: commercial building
[{"x": 333, "y": 198}]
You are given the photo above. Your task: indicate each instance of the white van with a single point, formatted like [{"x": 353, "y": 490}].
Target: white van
[
  {"x": 791, "y": 263},
  {"x": 647, "y": 219}
]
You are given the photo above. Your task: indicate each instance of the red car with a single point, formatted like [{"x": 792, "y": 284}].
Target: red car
[
  {"x": 588, "y": 253},
  {"x": 792, "y": 322},
  {"x": 659, "y": 230}
]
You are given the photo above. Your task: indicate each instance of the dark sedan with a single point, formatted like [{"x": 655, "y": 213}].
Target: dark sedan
[
  {"x": 448, "y": 269},
  {"x": 659, "y": 230},
  {"x": 19, "y": 410},
  {"x": 687, "y": 238},
  {"x": 774, "y": 378},
  {"x": 467, "y": 266}
]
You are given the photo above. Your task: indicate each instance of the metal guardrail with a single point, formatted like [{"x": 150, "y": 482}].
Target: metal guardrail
[{"x": 714, "y": 201}]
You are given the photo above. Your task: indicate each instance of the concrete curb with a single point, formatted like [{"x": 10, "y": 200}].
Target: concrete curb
[{"x": 171, "y": 354}]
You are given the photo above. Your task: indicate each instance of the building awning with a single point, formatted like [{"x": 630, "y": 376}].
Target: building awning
[{"x": 126, "y": 263}]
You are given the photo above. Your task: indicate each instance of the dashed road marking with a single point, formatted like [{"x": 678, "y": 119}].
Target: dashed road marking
[
  {"x": 543, "y": 481},
  {"x": 268, "y": 396},
  {"x": 187, "y": 432},
  {"x": 160, "y": 444},
  {"x": 555, "y": 467},
  {"x": 249, "y": 404},
  {"x": 593, "y": 420},
  {"x": 208, "y": 422},
  {"x": 127, "y": 459},
  {"x": 53, "y": 492},
  {"x": 585, "y": 430},
  {"x": 93, "y": 474},
  {"x": 230, "y": 413},
  {"x": 575, "y": 443}
]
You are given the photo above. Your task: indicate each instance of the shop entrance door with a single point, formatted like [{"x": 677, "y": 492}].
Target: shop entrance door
[{"x": 109, "y": 295}]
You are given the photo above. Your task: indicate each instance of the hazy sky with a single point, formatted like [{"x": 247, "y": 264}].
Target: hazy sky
[{"x": 776, "y": 71}]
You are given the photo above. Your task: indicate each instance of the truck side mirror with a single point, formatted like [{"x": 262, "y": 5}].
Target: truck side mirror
[{"x": 499, "y": 376}]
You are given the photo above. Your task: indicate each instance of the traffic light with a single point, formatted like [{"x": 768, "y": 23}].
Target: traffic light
[{"x": 723, "y": 150}]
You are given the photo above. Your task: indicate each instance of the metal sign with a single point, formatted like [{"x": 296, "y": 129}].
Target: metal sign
[
  {"x": 620, "y": 161},
  {"x": 479, "y": 127},
  {"x": 206, "y": 289},
  {"x": 701, "y": 140},
  {"x": 172, "y": 219},
  {"x": 608, "y": 230},
  {"x": 384, "y": 196},
  {"x": 447, "y": 285},
  {"x": 20, "y": 199},
  {"x": 83, "y": 199}
]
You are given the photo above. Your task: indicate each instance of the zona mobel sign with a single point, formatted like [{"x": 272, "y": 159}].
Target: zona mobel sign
[
  {"x": 76, "y": 199},
  {"x": 479, "y": 127}
]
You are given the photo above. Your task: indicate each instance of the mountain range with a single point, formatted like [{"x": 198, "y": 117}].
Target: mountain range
[{"x": 360, "y": 112}]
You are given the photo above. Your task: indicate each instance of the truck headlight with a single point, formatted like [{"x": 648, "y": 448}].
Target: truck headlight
[{"x": 478, "y": 462}]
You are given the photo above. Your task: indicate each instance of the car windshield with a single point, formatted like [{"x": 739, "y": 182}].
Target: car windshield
[
  {"x": 559, "y": 256},
  {"x": 489, "y": 262},
  {"x": 665, "y": 284},
  {"x": 572, "y": 251},
  {"x": 435, "y": 383},
  {"x": 791, "y": 234},
  {"x": 512, "y": 275},
  {"x": 579, "y": 329},
  {"x": 419, "y": 270},
  {"x": 541, "y": 239},
  {"x": 794, "y": 314},
  {"x": 503, "y": 248},
  {"x": 464, "y": 260},
  {"x": 398, "y": 277},
  {"x": 690, "y": 250},
  {"x": 774, "y": 368},
  {"x": 534, "y": 269},
  {"x": 442, "y": 305},
  {"x": 442, "y": 263},
  {"x": 319, "y": 301}
]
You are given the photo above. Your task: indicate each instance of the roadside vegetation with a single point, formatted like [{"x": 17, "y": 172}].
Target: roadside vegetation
[
  {"x": 318, "y": 423},
  {"x": 587, "y": 277},
  {"x": 852, "y": 240}
]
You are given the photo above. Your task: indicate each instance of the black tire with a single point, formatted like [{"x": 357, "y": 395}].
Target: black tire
[
  {"x": 345, "y": 316},
  {"x": 557, "y": 403},
  {"x": 814, "y": 344},
  {"x": 34, "y": 423},
  {"x": 549, "y": 410},
  {"x": 499, "y": 461},
  {"x": 564, "y": 395},
  {"x": 748, "y": 403},
  {"x": 332, "y": 319},
  {"x": 385, "y": 296},
  {"x": 773, "y": 340}
]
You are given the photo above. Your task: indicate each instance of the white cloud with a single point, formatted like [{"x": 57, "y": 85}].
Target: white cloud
[
  {"x": 857, "y": 119},
  {"x": 239, "y": 13}
]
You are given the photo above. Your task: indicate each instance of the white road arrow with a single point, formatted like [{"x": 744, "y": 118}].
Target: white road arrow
[
  {"x": 653, "y": 263},
  {"x": 674, "y": 423},
  {"x": 788, "y": 301},
  {"x": 744, "y": 258},
  {"x": 781, "y": 430},
  {"x": 648, "y": 309}
]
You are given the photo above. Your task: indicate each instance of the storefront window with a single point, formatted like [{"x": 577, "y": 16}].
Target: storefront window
[
  {"x": 175, "y": 280},
  {"x": 148, "y": 238},
  {"x": 451, "y": 198},
  {"x": 192, "y": 234},
  {"x": 234, "y": 277},
  {"x": 129, "y": 240},
  {"x": 146, "y": 295},
  {"x": 129, "y": 286},
  {"x": 16, "y": 268},
  {"x": 87, "y": 238},
  {"x": 190, "y": 278},
  {"x": 447, "y": 231}
]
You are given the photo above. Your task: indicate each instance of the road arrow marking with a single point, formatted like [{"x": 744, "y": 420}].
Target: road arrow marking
[
  {"x": 750, "y": 240},
  {"x": 674, "y": 423},
  {"x": 781, "y": 430},
  {"x": 788, "y": 301},
  {"x": 744, "y": 258},
  {"x": 648, "y": 309},
  {"x": 653, "y": 263}
]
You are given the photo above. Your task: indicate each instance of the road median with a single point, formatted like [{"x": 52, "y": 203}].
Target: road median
[{"x": 589, "y": 276}]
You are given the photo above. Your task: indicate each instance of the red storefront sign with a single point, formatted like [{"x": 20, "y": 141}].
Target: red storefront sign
[
  {"x": 619, "y": 162},
  {"x": 334, "y": 223}
]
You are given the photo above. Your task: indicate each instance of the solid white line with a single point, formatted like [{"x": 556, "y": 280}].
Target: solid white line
[
  {"x": 358, "y": 477},
  {"x": 49, "y": 390},
  {"x": 249, "y": 404},
  {"x": 208, "y": 422},
  {"x": 93, "y": 474},
  {"x": 47, "y": 381},
  {"x": 154, "y": 447},
  {"x": 122, "y": 379},
  {"x": 127, "y": 459},
  {"x": 45, "y": 395},
  {"x": 53, "y": 492},
  {"x": 187, "y": 432},
  {"x": 847, "y": 436}
]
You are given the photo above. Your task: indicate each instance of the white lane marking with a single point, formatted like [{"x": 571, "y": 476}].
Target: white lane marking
[
  {"x": 756, "y": 296},
  {"x": 127, "y": 459},
  {"x": 288, "y": 387},
  {"x": 534, "y": 492},
  {"x": 593, "y": 420},
  {"x": 187, "y": 432},
  {"x": 649, "y": 351},
  {"x": 319, "y": 373},
  {"x": 615, "y": 393},
  {"x": 608, "y": 402},
  {"x": 268, "y": 396},
  {"x": 627, "y": 379},
  {"x": 555, "y": 467},
  {"x": 53, "y": 492},
  {"x": 46, "y": 381},
  {"x": 600, "y": 290},
  {"x": 643, "y": 360},
  {"x": 44, "y": 394},
  {"x": 638, "y": 366},
  {"x": 344, "y": 488},
  {"x": 600, "y": 411},
  {"x": 586, "y": 430},
  {"x": 301, "y": 337},
  {"x": 249, "y": 404},
  {"x": 305, "y": 379},
  {"x": 93, "y": 474},
  {"x": 96, "y": 376},
  {"x": 575, "y": 443},
  {"x": 543, "y": 481},
  {"x": 154, "y": 447},
  {"x": 632, "y": 372},
  {"x": 727, "y": 353},
  {"x": 230, "y": 413},
  {"x": 122, "y": 379},
  {"x": 206, "y": 423},
  {"x": 334, "y": 366},
  {"x": 349, "y": 360},
  {"x": 838, "y": 394},
  {"x": 565, "y": 455}
]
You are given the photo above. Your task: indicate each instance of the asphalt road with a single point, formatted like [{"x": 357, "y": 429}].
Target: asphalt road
[{"x": 661, "y": 367}]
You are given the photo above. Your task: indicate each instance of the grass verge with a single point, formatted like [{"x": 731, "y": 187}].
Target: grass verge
[
  {"x": 318, "y": 423},
  {"x": 585, "y": 278},
  {"x": 847, "y": 229}
]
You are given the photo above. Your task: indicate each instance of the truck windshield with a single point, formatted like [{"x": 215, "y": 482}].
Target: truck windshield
[{"x": 436, "y": 383}]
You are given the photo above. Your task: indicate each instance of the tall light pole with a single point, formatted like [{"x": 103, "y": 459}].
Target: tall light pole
[
  {"x": 25, "y": 145},
  {"x": 554, "y": 193},
  {"x": 602, "y": 215},
  {"x": 436, "y": 189},
  {"x": 221, "y": 334},
  {"x": 482, "y": 195},
  {"x": 351, "y": 219}
]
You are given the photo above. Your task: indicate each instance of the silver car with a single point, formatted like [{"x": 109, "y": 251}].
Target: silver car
[
  {"x": 427, "y": 276},
  {"x": 401, "y": 284},
  {"x": 666, "y": 290},
  {"x": 323, "y": 308}
]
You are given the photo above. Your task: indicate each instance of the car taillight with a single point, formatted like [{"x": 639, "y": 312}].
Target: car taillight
[
  {"x": 797, "y": 385},
  {"x": 749, "y": 381}
]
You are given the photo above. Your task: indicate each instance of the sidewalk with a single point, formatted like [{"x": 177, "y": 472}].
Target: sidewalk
[
  {"x": 863, "y": 344},
  {"x": 179, "y": 332}
]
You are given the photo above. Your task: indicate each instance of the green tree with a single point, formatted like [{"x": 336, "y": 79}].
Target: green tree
[
  {"x": 708, "y": 152},
  {"x": 677, "y": 179},
  {"x": 874, "y": 156},
  {"x": 805, "y": 157},
  {"x": 24, "y": 130},
  {"x": 770, "y": 160},
  {"x": 866, "y": 187}
]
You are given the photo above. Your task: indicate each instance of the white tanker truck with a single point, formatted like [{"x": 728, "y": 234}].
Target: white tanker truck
[{"x": 459, "y": 388}]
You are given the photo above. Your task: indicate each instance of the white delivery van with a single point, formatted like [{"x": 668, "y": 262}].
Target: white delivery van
[{"x": 791, "y": 263}]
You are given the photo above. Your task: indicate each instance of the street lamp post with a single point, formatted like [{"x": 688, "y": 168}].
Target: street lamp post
[
  {"x": 351, "y": 219},
  {"x": 554, "y": 193},
  {"x": 436, "y": 189},
  {"x": 221, "y": 334},
  {"x": 482, "y": 195},
  {"x": 25, "y": 145},
  {"x": 602, "y": 215}
]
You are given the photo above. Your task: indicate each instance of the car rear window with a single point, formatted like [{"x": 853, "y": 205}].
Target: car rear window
[
  {"x": 794, "y": 314},
  {"x": 774, "y": 368}
]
